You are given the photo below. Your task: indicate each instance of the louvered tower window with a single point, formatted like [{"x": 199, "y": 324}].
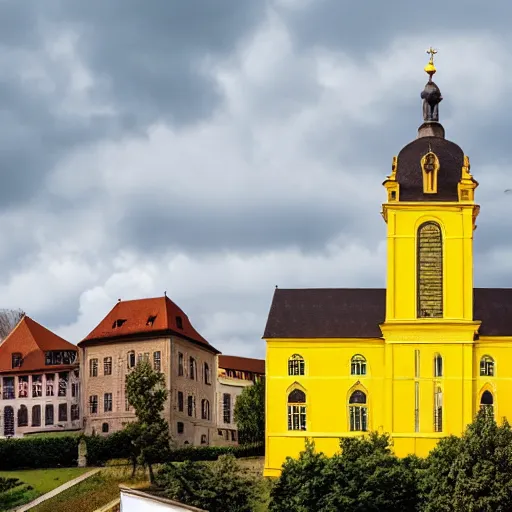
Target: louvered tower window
[{"x": 430, "y": 271}]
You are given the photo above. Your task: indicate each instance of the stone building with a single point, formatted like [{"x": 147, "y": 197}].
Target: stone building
[
  {"x": 157, "y": 330},
  {"x": 39, "y": 378},
  {"x": 234, "y": 374}
]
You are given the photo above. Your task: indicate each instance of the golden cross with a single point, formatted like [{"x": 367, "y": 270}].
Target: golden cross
[{"x": 432, "y": 52}]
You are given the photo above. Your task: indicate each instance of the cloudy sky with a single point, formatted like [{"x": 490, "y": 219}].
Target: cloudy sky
[{"x": 215, "y": 149}]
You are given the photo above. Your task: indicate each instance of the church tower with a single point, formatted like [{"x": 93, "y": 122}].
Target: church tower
[{"x": 430, "y": 214}]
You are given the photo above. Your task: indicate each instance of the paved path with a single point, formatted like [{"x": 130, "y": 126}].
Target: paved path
[
  {"x": 109, "y": 506},
  {"x": 56, "y": 491}
]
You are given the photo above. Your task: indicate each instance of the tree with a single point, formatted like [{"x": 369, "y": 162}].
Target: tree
[
  {"x": 215, "y": 486},
  {"x": 146, "y": 392},
  {"x": 364, "y": 476},
  {"x": 9, "y": 318},
  {"x": 474, "y": 472},
  {"x": 250, "y": 413}
]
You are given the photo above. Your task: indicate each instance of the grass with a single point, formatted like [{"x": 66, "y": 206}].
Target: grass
[
  {"x": 65, "y": 433},
  {"x": 92, "y": 493},
  {"x": 100, "y": 489},
  {"x": 41, "y": 481}
]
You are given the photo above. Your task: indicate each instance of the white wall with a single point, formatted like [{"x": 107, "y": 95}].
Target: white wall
[{"x": 136, "y": 501}]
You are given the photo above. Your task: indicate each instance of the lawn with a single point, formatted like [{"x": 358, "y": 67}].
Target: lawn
[
  {"x": 41, "y": 481},
  {"x": 92, "y": 493}
]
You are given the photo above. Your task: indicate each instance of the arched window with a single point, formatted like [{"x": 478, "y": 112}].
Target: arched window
[
  {"x": 192, "y": 368},
  {"x": 438, "y": 409},
  {"x": 36, "y": 415},
  {"x": 358, "y": 411},
  {"x": 205, "y": 409},
  {"x": 203, "y": 439},
  {"x": 23, "y": 416},
  {"x": 430, "y": 271},
  {"x": 438, "y": 365},
  {"x": 207, "y": 379},
  {"x": 358, "y": 365},
  {"x": 297, "y": 410},
  {"x": 487, "y": 401},
  {"x": 296, "y": 365},
  {"x": 105, "y": 428},
  {"x": 487, "y": 366}
]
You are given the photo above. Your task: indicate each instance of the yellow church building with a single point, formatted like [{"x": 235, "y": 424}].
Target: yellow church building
[{"x": 415, "y": 360}]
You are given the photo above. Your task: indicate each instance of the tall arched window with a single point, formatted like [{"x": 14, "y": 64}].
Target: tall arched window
[
  {"x": 487, "y": 401},
  {"x": 487, "y": 366},
  {"x": 358, "y": 365},
  {"x": 297, "y": 410},
  {"x": 438, "y": 409},
  {"x": 207, "y": 379},
  {"x": 358, "y": 411},
  {"x": 430, "y": 271},
  {"x": 438, "y": 365},
  {"x": 23, "y": 416},
  {"x": 205, "y": 409},
  {"x": 296, "y": 365}
]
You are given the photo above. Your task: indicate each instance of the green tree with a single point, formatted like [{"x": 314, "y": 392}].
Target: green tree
[
  {"x": 214, "y": 486},
  {"x": 302, "y": 485},
  {"x": 250, "y": 413},
  {"x": 365, "y": 476},
  {"x": 146, "y": 392},
  {"x": 471, "y": 473}
]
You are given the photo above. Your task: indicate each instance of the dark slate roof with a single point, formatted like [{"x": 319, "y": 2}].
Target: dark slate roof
[
  {"x": 357, "y": 312},
  {"x": 410, "y": 176}
]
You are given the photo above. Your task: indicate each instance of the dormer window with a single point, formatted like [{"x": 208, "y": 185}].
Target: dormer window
[
  {"x": 151, "y": 321},
  {"x": 179, "y": 322},
  {"x": 118, "y": 323},
  {"x": 17, "y": 360}
]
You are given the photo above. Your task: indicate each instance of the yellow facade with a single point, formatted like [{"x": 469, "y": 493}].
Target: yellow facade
[{"x": 425, "y": 376}]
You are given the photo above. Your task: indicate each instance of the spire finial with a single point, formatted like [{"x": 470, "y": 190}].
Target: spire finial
[{"x": 430, "y": 69}]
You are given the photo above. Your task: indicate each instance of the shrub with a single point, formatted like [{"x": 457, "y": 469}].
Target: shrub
[
  {"x": 196, "y": 453},
  {"x": 50, "y": 452}
]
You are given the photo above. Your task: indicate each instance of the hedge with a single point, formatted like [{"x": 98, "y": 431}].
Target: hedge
[
  {"x": 35, "y": 453},
  {"x": 196, "y": 453}
]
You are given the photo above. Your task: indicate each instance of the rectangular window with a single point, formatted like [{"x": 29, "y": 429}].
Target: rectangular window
[
  {"x": 93, "y": 368},
  {"x": 36, "y": 416},
  {"x": 226, "y": 408},
  {"x": 192, "y": 373},
  {"x": 75, "y": 386},
  {"x": 358, "y": 418},
  {"x": 23, "y": 386},
  {"x": 48, "y": 414},
  {"x": 416, "y": 407},
  {"x": 180, "y": 364},
  {"x": 417, "y": 364},
  {"x": 190, "y": 405},
  {"x": 107, "y": 366},
  {"x": 16, "y": 360},
  {"x": 8, "y": 393},
  {"x": 63, "y": 412},
  {"x": 180, "y": 428},
  {"x": 156, "y": 361},
  {"x": 75, "y": 412},
  {"x": 180, "y": 401},
  {"x": 93, "y": 404},
  {"x": 139, "y": 358},
  {"x": 126, "y": 405},
  {"x": 233, "y": 435},
  {"x": 63, "y": 383},
  {"x": 296, "y": 417},
  {"x": 50, "y": 378},
  {"x": 131, "y": 359},
  {"x": 107, "y": 402},
  {"x": 438, "y": 410},
  {"x": 146, "y": 356}
]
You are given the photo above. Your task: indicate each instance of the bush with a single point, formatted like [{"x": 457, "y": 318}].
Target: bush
[
  {"x": 54, "y": 452},
  {"x": 51, "y": 452},
  {"x": 196, "y": 453}
]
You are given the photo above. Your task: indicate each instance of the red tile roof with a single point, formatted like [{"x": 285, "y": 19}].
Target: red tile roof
[
  {"x": 245, "y": 364},
  {"x": 145, "y": 317},
  {"x": 31, "y": 340}
]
